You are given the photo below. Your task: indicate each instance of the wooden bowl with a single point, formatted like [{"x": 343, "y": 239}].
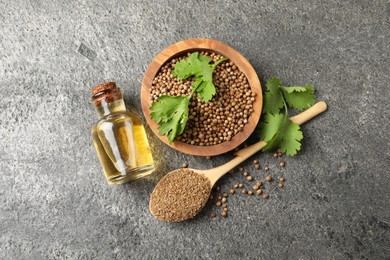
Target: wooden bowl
[{"x": 199, "y": 44}]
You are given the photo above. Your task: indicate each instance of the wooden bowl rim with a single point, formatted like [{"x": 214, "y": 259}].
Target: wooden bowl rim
[{"x": 202, "y": 44}]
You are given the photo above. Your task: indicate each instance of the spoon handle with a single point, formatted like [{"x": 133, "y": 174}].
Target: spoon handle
[{"x": 245, "y": 153}]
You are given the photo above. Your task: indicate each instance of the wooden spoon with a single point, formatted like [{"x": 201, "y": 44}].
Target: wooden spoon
[{"x": 214, "y": 174}]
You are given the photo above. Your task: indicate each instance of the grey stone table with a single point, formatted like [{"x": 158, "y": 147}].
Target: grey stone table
[{"x": 54, "y": 201}]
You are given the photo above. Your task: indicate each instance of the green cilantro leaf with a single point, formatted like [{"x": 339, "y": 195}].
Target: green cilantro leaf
[
  {"x": 299, "y": 97},
  {"x": 171, "y": 113},
  {"x": 280, "y": 132},
  {"x": 275, "y": 128},
  {"x": 198, "y": 66},
  {"x": 273, "y": 98}
]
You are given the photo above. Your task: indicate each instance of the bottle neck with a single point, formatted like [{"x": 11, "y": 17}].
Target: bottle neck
[{"x": 106, "y": 108}]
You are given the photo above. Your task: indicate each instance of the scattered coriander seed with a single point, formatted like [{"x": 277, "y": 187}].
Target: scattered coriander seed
[
  {"x": 255, "y": 162},
  {"x": 235, "y": 186},
  {"x": 218, "y": 204},
  {"x": 266, "y": 168},
  {"x": 259, "y": 183},
  {"x": 282, "y": 179},
  {"x": 224, "y": 214},
  {"x": 231, "y": 191},
  {"x": 224, "y": 200},
  {"x": 265, "y": 196},
  {"x": 258, "y": 192},
  {"x": 249, "y": 178},
  {"x": 243, "y": 191},
  {"x": 268, "y": 178},
  {"x": 241, "y": 169},
  {"x": 240, "y": 185},
  {"x": 281, "y": 164},
  {"x": 184, "y": 165},
  {"x": 225, "y": 209},
  {"x": 257, "y": 166},
  {"x": 217, "y": 188},
  {"x": 279, "y": 154},
  {"x": 250, "y": 192},
  {"x": 213, "y": 214},
  {"x": 275, "y": 155},
  {"x": 225, "y": 195},
  {"x": 256, "y": 187},
  {"x": 224, "y": 205},
  {"x": 245, "y": 173},
  {"x": 219, "y": 197},
  {"x": 208, "y": 157},
  {"x": 280, "y": 185}
]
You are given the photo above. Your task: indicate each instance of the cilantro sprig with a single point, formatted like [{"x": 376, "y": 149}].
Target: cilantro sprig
[
  {"x": 200, "y": 68},
  {"x": 171, "y": 113},
  {"x": 275, "y": 128}
]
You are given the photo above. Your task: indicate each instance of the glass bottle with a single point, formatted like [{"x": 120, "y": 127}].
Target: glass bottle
[{"x": 119, "y": 137}]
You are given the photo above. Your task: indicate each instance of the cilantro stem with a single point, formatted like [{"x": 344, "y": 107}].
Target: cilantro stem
[
  {"x": 284, "y": 104},
  {"x": 215, "y": 64}
]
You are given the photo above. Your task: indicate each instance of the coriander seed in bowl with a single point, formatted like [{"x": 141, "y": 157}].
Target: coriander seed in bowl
[
  {"x": 215, "y": 121},
  {"x": 201, "y": 97}
]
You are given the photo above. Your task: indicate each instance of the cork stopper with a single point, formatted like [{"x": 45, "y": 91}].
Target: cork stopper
[
  {"x": 105, "y": 92},
  {"x": 102, "y": 87}
]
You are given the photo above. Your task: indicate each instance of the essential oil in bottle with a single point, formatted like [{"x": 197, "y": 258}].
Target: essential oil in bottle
[{"x": 119, "y": 137}]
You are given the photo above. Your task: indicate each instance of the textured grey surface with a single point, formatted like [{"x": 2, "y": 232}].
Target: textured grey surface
[{"x": 54, "y": 202}]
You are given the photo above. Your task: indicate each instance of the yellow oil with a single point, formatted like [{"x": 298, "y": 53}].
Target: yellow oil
[{"x": 122, "y": 146}]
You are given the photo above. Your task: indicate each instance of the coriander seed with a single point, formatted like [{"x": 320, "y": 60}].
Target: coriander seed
[
  {"x": 281, "y": 179},
  {"x": 266, "y": 168},
  {"x": 235, "y": 186},
  {"x": 213, "y": 214},
  {"x": 231, "y": 191},
  {"x": 268, "y": 178},
  {"x": 182, "y": 190},
  {"x": 250, "y": 192},
  {"x": 245, "y": 173},
  {"x": 184, "y": 165},
  {"x": 249, "y": 178},
  {"x": 281, "y": 164},
  {"x": 265, "y": 196},
  {"x": 240, "y": 185},
  {"x": 255, "y": 187},
  {"x": 280, "y": 185},
  {"x": 224, "y": 214},
  {"x": 218, "y": 204},
  {"x": 258, "y": 192},
  {"x": 224, "y": 200}
]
